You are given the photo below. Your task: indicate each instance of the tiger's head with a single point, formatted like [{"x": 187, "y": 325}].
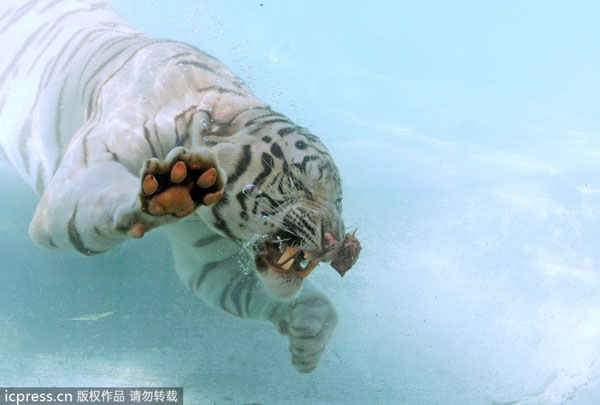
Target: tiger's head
[{"x": 283, "y": 198}]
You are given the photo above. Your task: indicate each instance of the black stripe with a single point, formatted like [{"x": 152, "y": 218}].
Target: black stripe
[
  {"x": 24, "y": 137},
  {"x": 51, "y": 242},
  {"x": 58, "y": 120},
  {"x": 147, "y": 136},
  {"x": 307, "y": 134},
  {"x": 178, "y": 55},
  {"x": 221, "y": 90},
  {"x": 286, "y": 131},
  {"x": 147, "y": 44},
  {"x": 249, "y": 295},
  {"x": 28, "y": 134},
  {"x": 91, "y": 102},
  {"x": 252, "y": 121},
  {"x": 206, "y": 269},
  {"x": 277, "y": 177},
  {"x": 247, "y": 111},
  {"x": 178, "y": 136},
  {"x": 236, "y": 293},
  {"x": 220, "y": 223},
  {"x": 308, "y": 226},
  {"x": 44, "y": 48},
  {"x": 162, "y": 149},
  {"x": 286, "y": 169},
  {"x": 45, "y": 36},
  {"x": 39, "y": 181},
  {"x": 242, "y": 200},
  {"x": 107, "y": 61},
  {"x": 50, "y": 5},
  {"x": 274, "y": 204},
  {"x": 97, "y": 231},
  {"x": 201, "y": 66},
  {"x": 22, "y": 51},
  {"x": 302, "y": 166},
  {"x": 237, "y": 82},
  {"x": 268, "y": 164},
  {"x": 84, "y": 40},
  {"x": 114, "y": 156},
  {"x": 3, "y": 16},
  {"x": 267, "y": 123},
  {"x": 304, "y": 235},
  {"x": 322, "y": 168},
  {"x": 3, "y": 153},
  {"x": 182, "y": 140},
  {"x": 242, "y": 165},
  {"x": 225, "y": 292},
  {"x": 57, "y": 22},
  {"x": 155, "y": 128},
  {"x": 276, "y": 151},
  {"x": 207, "y": 240},
  {"x": 97, "y": 114},
  {"x": 198, "y": 50},
  {"x": 64, "y": 16},
  {"x": 75, "y": 237},
  {"x": 18, "y": 14},
  {"x": 44, "y": 79},
  {"x": 84, "y": 145},
  {"x": 105, "y": 46}
]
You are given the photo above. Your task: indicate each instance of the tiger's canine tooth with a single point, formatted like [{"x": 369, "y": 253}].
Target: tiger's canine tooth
[
  {"x": 289, "y": 252},
  {"x": 306, "y": 271},
  {"x": 288, "y": 264}
]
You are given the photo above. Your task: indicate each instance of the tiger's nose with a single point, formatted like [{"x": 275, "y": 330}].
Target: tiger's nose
[{"x": 329, "y": 241}]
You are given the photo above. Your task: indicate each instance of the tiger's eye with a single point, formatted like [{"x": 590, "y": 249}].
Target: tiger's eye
[{"x": 301, "y": 145}]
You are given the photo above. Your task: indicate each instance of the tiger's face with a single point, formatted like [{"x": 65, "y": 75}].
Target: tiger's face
[{"x": 283, "y": 198}]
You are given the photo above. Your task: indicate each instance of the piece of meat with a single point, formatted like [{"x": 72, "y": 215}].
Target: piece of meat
[{"x": 347, "y": 255}]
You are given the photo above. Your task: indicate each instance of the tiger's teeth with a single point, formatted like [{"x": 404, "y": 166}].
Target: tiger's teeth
[
  {"x": 306, "y": 271},
  {"x": 289, "y": 252},
  {"x": 288, "y": 264}
]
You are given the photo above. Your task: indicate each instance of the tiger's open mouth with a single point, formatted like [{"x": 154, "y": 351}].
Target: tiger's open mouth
[{"x": 286, "y": 259}]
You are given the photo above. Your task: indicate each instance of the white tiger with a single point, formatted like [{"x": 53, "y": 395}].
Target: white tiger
[{"x": 122, "y": 133}]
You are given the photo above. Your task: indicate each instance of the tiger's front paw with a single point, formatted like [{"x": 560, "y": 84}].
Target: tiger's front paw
[
  {"x": 181, "y": 183},
  {"x": 308, "y": 322}
]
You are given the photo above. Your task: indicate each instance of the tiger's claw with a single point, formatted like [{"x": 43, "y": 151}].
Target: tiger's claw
[{"x": 137, "y": 230}]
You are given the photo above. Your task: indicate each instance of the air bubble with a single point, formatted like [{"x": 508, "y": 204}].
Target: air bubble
[{"x": 248, "y": 189}]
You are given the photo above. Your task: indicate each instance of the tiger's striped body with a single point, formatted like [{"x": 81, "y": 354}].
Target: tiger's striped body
[{"x": 86, "y": 101}]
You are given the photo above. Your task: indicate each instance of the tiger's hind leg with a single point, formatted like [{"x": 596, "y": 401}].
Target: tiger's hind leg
[
  {"x": 218, "y": 272},
  {"x": 308, "y": 321}
]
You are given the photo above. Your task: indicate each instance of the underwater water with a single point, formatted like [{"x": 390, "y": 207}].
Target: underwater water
[{"x": 468, "y": 139}]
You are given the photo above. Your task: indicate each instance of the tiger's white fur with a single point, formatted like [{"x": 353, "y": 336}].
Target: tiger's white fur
[{"x": 86, "y": 100}]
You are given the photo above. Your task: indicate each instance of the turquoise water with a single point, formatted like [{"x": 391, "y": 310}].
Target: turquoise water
[{"x": 468, "y": 139}]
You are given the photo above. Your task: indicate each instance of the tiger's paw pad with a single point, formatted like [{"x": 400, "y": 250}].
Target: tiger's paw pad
[{"x": 181, "y": 183}]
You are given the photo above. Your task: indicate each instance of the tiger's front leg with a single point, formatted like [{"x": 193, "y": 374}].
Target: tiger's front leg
[
  {"x": 178, "y": 185},
  {"x": 92, "y": 208}
]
